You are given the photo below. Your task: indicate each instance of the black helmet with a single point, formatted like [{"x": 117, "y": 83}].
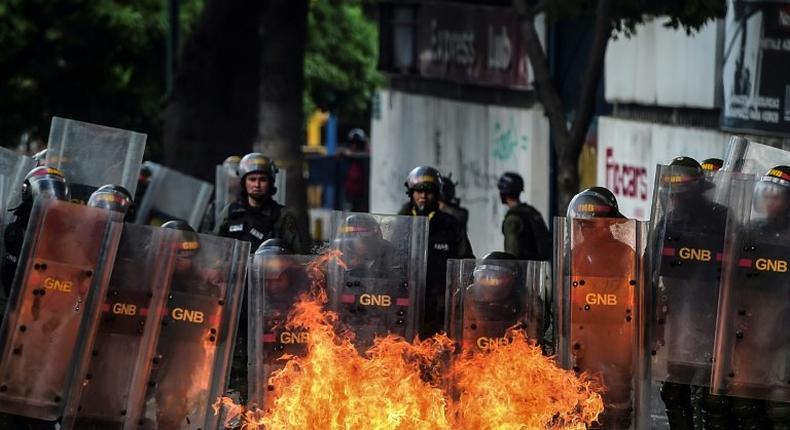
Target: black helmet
[
  {"x": 607, "y": 194},
  {"x": 494, "y": 276},
  {"x": 591, "y": 204},
  {"x": 231, "y": 165},
  {"x": 779, "y": 175},
  {"x": 683, "y": 175},
  {"x": 357, "y": 135},
  {"x": 772, "y": 194},
  {"x": 111, "y": 197},
  {"x": 256, "y": 162},
  {"x": 510, "y": 183},
  {"x": 360, "y": 225},
  {"x": 144, "y": 177},
  {"x": 712, "y": 164},
  {"x": 422, "y": 178},
  {"x": 447, "y": 189},
  {"x": 188, "y": 244},
  {"x": 775, "y": 182},
  {"x": 45, "y": 181},
  {"x": 273, "y": 246}
]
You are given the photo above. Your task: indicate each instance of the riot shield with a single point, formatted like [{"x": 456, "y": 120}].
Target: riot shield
[
  {"x": 600, "y": 295},
  {"x": 173, "y": 195},
  {"x": 13, "y": 167},
  {"x": 685, "y": 248},
  {"x": 752, "y": 338},
  {"x": 227, "y": 190},
  {"x": 282, "y": 185},
  {"x": 94, "y": 155},
  {"x": 380, "y": 287},
  {"x": 276, "y": 283},
  {"x": 130, "y": 315},
  {"x": 487, "y": 298},
  {"x": 188, "y": 368},
  {"x": 53, "y": 310},
  {"x": 754, "y": 158}
]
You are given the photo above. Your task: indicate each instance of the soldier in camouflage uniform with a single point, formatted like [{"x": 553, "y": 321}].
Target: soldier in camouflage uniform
[{"x": 526, "y": 234}]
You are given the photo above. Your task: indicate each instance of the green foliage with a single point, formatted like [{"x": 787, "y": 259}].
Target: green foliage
[
  {"x": 687, "y": 14},
  {"x": 94, "y": 60},
  {"x": 340, "y": 58}
]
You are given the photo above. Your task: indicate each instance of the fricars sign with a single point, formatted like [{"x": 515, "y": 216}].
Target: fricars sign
[{"x": 628, "y": 152}]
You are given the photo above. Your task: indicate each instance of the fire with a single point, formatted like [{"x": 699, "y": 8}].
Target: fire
[
  {"x": 402, "y": 386},
  {"x": 334, "y": 387},
  {"x": 514, "y": 386}
]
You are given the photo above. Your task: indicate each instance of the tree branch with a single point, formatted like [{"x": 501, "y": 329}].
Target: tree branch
[
  {"x": 544, "y": 86},
  {"x": 585, "y": 108}
]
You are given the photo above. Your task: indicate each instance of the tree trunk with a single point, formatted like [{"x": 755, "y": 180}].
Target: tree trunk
[
  {"x": 213, "y": 109},
  {"x": 567, "y": 141},
  {"x": 280, "y": 116}
]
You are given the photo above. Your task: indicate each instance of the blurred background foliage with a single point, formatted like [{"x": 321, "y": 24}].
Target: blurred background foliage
[{"x": 103, "y": 61}]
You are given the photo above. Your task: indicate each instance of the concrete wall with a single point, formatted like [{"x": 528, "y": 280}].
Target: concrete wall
[
  {"x": 661, "y": 66},
  {"x": 475, "y": 142}
]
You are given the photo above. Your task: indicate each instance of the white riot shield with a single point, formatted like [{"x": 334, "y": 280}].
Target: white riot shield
[
  {"x": 754, "y": 158},
  {"x": 54, "y": 307},
  {"x": 686, "y": 243},
  {"x": 173, "y": 195},
  {"x": 752, "y": 337},
  {"x": 488, "y": 298},
  {"x": 130, "y": 316},
  {"x": 282, "y": 185},
  {"x": 188, "y": 367},
  {"x": 93, "y": 155},
  {"x": 227, "y": 189},
  {"x": 380, "y": 288},
  {"x": 600, "y": 293},
  {"x": 276, "y": 283},
  {"x": 13, "y": 167}
]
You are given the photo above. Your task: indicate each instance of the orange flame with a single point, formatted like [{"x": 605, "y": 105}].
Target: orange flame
[
  {"x": 401, "y": 386},
  {"x": 515, "y": 386}
]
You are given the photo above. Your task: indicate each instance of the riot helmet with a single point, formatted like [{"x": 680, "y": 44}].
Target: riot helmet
[
  {"x": 422, "y": 178},
  {"x": 256, "y": 162},
  {"x": 187, "y": 245},
  {"x": 111, "y": 197},
  {"x": 494, "y": 277},
  {"x": 684, "y": 177},
  {"x": 231, "y": 165},
  {"x": 47, "y": 182},
  {"x": 590, "y": 204},
  {"x": 510, "y": 184},
  {"x": 712, "y": 164},
  {"x": 606, "y": 193},
  {"x": 360, "y": 239},
  {"x": 144, "y": 177},
  {"x": 361, "y": 225},
  {"x": 273, "y": 246},
  {"x": 425, "y": 179},
  {"x": 772, "y": 193}
]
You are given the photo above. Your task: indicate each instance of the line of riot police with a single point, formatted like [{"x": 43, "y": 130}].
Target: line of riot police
[{"x": 116, "y": 325}]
